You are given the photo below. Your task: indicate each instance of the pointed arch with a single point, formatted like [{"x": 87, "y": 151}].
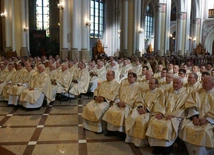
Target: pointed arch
[{"x": 208, "y": 44}]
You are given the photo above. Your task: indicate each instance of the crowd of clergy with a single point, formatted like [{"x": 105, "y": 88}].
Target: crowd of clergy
[{"x": 147, "y": 101}]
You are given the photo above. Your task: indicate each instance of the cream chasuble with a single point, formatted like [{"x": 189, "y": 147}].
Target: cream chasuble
[
  {"x": 41, "y": 84},
  {"x": 116, "y": 115},
  {"x": 168, "y": 129},
  {"x": 136, "y": 124},
  {"x": 83, "y": 79},
  {"x": 108, "y": 90},
  {"x": 199, "y": 103}
]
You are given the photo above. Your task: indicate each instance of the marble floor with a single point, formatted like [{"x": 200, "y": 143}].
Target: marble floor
[{"x": 57, "y": 129}]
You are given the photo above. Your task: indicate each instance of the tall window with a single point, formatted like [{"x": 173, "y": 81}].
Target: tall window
[
  {"x": 96, "y": 14},
  {"x": 42, "y": 16},
  {"x": 149, "y": 22}
]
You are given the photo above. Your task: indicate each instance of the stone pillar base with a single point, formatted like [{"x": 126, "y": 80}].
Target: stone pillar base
[
  {"x": 7, "y": 49},
  {"x": 180, "y": 52},
  {"x": 187, "y": 53},
  {"x": 124, "y": 53},
  {"x": 138, "y": 53},
  {"x": 24, "y": 52},
  {"x": 158, "y": 52},
  {"x": 73, "y": 53},
  {"x": 168, "y": 53},
  {"x": 116, "y": 54},
  {"x": 84, "y": 54},
  {"x": 63, "y": 53}
]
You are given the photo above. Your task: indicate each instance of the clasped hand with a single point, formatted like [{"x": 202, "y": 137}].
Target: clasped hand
[
  {"x": 141, "y": 110},
  {"x": 199, "y": 121},
  {"x": 121, "y": 104},
  {"x": 99, "y": 99}
]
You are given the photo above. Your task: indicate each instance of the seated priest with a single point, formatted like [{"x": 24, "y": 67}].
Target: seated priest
[
  {"x": 8, "y": 78},
  {"x": 97, "y": 76},
  {"x": 122, "y": 107},
  {"x": 163, "y": 127},
  {"x": 137, "y": 122},
  {"x": 197, "y": 130},
  {"x": 103, "y": 95},
  {"x": 39, "y": 88},
  {"x": 15, "y": 91},
  {"x": 63, "y": 82},
  {"x": 81, "y": 82},
  {"x": 18, "y": 79}
]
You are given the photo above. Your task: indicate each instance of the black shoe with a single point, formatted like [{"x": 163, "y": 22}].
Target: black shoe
[
  {"x": 109, "y": 133},
  {"x": 98, "y": 132},
  {"x": 166, "y": 150},
  {"x": 11, "y": 105},
  {"x": 122, "y": 136},
  {"x": 157, "y": 150}
]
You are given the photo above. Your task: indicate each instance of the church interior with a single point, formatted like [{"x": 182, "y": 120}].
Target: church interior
[{"x": 86, "y": 30}]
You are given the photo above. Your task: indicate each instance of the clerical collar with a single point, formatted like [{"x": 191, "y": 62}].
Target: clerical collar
[
  {"x": 152, "y": 91},
  {"x": 210, "y": 91},
  {"x": 131, "y": 84},
  {"x": 177, "y": 91}
]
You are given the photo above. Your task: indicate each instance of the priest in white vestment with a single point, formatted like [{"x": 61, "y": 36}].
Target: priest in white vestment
[
  {"x": 39, "y": 85},
  {"x": 19, "y": 78},
  {"x": 64, "y": 82},
  {"x": 15, "y": 91},
  {"x": 168, "y": 83},
  {"x": 81, "y": 82},
  {"x": 8, "y": 78},
  {"x": 122, "y": 107},
  {"x": 104, "y": 94},
  {"x": 163, "y": 128},
  {"x": 193, "y": 83},
  {"x": 114, "y": 67},
  {"x": 97, "y": 76},
  {"x": 197, "y": 130},
  {"x": 137, "y": 122}
]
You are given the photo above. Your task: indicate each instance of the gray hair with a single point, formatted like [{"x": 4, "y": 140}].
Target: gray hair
[{"x": 179, "y": 78}]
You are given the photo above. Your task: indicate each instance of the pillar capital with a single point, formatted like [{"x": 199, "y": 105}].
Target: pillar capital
[
  {"x": 161, "y": 7},
  {"x": 182, "y": 16},
  {"x": 197, "y": 21}
]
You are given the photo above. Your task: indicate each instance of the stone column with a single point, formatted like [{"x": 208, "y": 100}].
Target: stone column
[
  {"x": 24, "y": 14},
  {"x": 137, "y": 26},
  {"x": 196, "y": 31},
  {"x": 8, "y": 28},
  {"x": 124, "y": 29},
  {"x": 64, "y": 29},
  {"x": 160, "y": 31},
  {"x": 188, "y": 8},
  {"x": 167, "y": 27},
  {"x": 13, "y": 35},
  {"x": 85, "y": 38},
  {"x": 181, "y": 32},
  {"x": 75, "y": 31}
]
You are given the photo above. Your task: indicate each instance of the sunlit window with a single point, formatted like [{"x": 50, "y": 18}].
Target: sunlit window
[
  {"x": 42, "y": 16},
  {"x": 96, "y": 15},
  {"x": 149, "y": 22}
]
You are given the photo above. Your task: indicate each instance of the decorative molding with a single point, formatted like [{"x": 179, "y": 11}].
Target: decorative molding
[
  {"x": 161, "y": 7},
  {"x": 182, "y": 16},
  {"x": 206, "y": 29},
  {"x": 197, "y": 21}
]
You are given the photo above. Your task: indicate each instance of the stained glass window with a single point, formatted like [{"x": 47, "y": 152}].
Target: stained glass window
[
  {"x": 149, "y": 22},
  {"x": 42, "y": 16},
  {"x": 96, "y": 15}
]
